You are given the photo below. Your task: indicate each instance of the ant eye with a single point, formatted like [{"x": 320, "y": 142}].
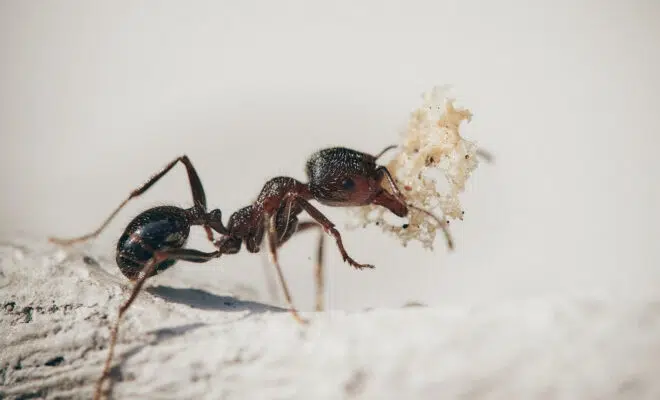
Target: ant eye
[{"x": 348, "y": 184}]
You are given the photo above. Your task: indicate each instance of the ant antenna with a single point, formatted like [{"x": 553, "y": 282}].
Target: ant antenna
[
  {"x": 441, "y": 223},
  {"x": 385, "y": 150}
]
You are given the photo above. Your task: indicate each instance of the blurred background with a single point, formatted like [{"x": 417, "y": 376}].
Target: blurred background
[{"x": 97, "y": 96}]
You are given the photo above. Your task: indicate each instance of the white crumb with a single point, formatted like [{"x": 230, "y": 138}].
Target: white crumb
[{"x": 431, "y": 143}]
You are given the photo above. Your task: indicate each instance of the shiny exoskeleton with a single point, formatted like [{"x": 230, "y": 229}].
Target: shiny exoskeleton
[
  {"x": 156, "y": 229},
  {"x": 339, "y": 177}
]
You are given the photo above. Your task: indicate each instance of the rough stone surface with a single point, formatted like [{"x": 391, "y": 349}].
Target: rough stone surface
[{"x": 188, "y": 343}]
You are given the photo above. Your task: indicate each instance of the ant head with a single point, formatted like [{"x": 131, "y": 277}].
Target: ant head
[
  {"x": 214, "y": 220},
  {"x": 343, "y": 177}
]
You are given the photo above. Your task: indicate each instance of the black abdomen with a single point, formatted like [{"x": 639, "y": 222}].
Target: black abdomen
[{"x": 158, "y": 228}]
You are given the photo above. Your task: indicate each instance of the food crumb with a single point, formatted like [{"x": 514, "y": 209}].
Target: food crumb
[{"x": 431, "y": 144}]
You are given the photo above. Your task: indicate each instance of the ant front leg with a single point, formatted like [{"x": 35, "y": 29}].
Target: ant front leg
[
  {"x": 329, "y": 227},
  {"x": 189, "y": 255},
  {"x": 318, "y": 273},
  {"x": 199, "y": 199}
]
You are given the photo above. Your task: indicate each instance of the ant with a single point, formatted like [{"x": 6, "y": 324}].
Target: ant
[{"x": 339, "y": 177}]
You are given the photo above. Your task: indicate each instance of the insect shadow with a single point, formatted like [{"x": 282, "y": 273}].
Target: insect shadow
[{"x": 203, "y": 300}]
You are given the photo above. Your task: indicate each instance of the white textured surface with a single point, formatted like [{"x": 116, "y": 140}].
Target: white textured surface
[
  {"x": 96, "y": 96},
  {"x": 194, "y": 344}
]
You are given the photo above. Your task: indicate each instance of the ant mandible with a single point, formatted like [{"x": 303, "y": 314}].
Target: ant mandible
[{"x": 340, "y": 177}]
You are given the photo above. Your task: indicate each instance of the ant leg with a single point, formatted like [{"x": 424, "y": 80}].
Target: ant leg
[
  {"x": 385, "y": 174},
  {"x": 196, "y": 187},
  {"x": 320, "y": 281},
  {"x": 329, "y": 227},
  {"x": 209, "y": 234},
  {"x": 148, "y": 270},
  {"x": 271, "y": 285},
  {"x": 271, "y": 233}
]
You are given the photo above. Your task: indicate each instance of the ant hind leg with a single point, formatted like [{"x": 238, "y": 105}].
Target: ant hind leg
[
  {"x": 196, "y": 187},
  {"x": 189, "y": 255}
]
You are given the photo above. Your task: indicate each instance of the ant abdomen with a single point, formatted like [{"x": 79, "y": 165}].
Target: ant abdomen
[{"x": 158, "y": 228}]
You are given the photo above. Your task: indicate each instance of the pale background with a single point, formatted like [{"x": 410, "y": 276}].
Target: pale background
[{"x": 95, "y": 97}]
